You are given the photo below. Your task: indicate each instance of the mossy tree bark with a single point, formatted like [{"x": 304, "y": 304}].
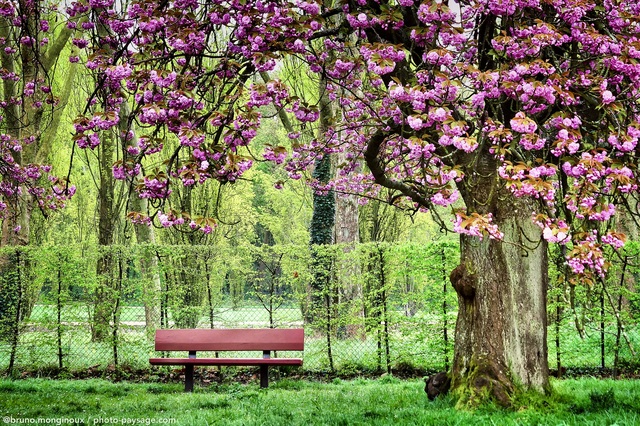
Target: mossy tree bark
[{"x": 501, "y": 330}]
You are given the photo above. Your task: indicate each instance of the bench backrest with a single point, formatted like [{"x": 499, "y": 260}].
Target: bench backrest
[{"x": 281, "y": 339}]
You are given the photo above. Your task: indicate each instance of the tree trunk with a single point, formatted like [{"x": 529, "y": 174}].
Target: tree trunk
[
  {"x": 321, "y": 232},
  {"x": 104, "y": 294},
  {"x": 347, "y": 226},
  {"x": 501, "y": 331},
  {"x": 346, "y": 232},
  {"x": 151, "y": 286}
]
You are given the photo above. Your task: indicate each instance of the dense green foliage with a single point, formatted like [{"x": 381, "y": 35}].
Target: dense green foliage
[
  {"x": 396, "y": 314},
  {"x": 381, "y": 318}
]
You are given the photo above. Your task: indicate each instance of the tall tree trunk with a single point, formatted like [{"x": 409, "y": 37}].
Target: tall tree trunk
[
  {"x": 347, "y": 233},
  {"x": 188, "y": 279},
  {"x": 347, "y": 227},
  {"x": 501, "y": 331},
  {"x": 104, "y": 294},
  {"x": 322, "y": 223},
  {"x": 151, "y": 286}
]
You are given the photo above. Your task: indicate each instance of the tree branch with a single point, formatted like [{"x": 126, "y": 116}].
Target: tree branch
[
  {"x": 377, "y": 170},
  {"x": 55, "y": 48},
  {"x": 52, "y": 129},
  {"x": 284, "y": 118}
]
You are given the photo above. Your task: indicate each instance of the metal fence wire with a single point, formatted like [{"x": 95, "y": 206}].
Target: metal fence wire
[{"x": 364, "y": 308}]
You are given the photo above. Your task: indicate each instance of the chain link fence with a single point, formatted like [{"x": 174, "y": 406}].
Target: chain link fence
[{"x": 368, "y": 308}]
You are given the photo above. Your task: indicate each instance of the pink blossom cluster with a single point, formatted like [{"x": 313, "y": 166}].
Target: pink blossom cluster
[
  {"x": 587, "y": 257},
  {"x": 277, "y": 154},
  {"x": 122, "y": 170},
  {"x": 272, "y": 93},
  {"x": 305, "y": 113},
  {"x": 381, "y": 60},
  {"x": 173, "y": 218},
  {"x": 553, "y": 231},
  {"x": 476, "y": 225},
  {"x": 154, "y": 187}
]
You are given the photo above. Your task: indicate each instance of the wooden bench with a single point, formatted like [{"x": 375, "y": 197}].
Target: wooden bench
[{"x": 218, "y": 340}]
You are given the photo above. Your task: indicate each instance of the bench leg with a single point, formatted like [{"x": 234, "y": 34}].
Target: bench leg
[
  {"x": 188, "y": 378},
  {"x": 264, "y": 376}
]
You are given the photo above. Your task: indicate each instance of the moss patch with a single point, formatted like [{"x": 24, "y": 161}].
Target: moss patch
[{"x": 485, "y": 382}]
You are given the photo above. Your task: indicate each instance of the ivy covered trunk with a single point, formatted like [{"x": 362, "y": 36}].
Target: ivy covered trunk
[
  {"x": 501, "y": 331},
  {"x": 321, "y": 234},
  {"x": 321, "y": 231}
]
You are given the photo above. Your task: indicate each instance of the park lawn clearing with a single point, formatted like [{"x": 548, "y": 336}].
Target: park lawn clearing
[{"x": 385, "y": 401}]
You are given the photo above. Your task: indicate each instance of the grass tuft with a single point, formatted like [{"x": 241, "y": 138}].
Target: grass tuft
[{"x": 602, "y": 400}]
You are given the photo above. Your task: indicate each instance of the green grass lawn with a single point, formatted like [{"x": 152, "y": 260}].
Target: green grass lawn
[{"x": 386, "y": 401}]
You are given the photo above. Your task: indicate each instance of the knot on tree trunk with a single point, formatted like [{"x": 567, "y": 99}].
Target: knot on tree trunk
[
  {"x": 436, "y": 385},
  {"x": 463, "y": 282}
]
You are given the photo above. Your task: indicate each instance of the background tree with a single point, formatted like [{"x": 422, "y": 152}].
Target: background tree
[{"x": 32, "y": 40}]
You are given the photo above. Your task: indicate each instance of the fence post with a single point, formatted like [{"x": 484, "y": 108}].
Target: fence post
[
  {"x": 15, "y": 327},
  {"x": 558, "y": 322},
  {"x": 59, "y": 311},
  {"x": 444, "y": 307},
  {"x": 116, "y": 309},
  {"x": 602, "y": 327}
]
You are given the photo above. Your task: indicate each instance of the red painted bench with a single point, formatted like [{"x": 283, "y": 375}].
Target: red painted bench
[{"x": 218, "y": 340}]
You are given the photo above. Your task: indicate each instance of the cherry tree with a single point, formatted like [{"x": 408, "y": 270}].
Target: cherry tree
[{"x": 519, "y": 115}]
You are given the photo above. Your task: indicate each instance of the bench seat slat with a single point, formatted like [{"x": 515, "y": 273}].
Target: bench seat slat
[
  {"x": 226, "y": 361},
  {"x": 230, "y": 339}
]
